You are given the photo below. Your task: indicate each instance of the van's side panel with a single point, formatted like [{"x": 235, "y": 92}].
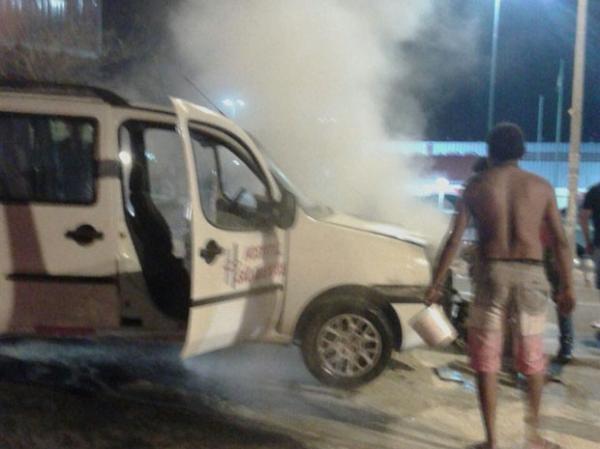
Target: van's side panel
[{"x": 50, "y": 278}]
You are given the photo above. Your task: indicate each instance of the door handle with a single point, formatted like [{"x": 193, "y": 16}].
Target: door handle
[
  {"x": 210, "y": 251},
  {"x": 84, "y": 234}
]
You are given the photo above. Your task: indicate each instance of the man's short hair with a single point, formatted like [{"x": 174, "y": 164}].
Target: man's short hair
[
  {"x": 480, "y": 165},
  {"x": 506, "y": 142}
]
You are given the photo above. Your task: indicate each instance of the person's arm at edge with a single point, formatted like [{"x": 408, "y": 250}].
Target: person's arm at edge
[
  {"x": 584, "y": 222},
  {"x": 451, "y": 246},
  {"x": 565, "y": 297}
]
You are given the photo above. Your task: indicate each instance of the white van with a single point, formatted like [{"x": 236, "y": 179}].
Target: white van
[{"x": 117, "y": 219}]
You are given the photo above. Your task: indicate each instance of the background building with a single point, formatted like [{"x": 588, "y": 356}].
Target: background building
[{"x": 70, "y": 26}]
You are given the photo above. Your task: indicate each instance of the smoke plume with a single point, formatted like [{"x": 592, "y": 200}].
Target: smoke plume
[{"x": 316, "y": 77}]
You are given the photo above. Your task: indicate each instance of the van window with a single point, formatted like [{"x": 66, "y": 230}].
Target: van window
[
  {"x": 47, "y": 159},
  {"x": 231, "y": 191}
]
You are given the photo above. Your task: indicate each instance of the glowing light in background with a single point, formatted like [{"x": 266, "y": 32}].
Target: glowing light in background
[
  {"x": 57, "y": 6},
  {"x": 441, "y": 185},
  {"x": 234, "y": 105}
]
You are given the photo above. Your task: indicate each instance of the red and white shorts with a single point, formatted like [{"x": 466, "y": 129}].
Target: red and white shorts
[{"x": 508, "y": 293}]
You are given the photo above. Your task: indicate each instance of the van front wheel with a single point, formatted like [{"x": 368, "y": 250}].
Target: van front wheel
[{"x": 347, "y": 343}]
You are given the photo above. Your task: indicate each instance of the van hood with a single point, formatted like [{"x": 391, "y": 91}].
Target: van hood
[{"x": 387, "y": 230}]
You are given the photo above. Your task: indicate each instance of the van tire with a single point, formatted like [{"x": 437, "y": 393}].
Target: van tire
[{"x": 377, "y": 340}]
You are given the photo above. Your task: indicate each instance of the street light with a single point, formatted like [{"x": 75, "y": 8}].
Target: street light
[
  {"x": 492, "y": 89},
  {"x": 234, "y": 104}
]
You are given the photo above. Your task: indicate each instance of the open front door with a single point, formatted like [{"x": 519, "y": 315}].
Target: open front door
[{"x": 238, "y": 259}]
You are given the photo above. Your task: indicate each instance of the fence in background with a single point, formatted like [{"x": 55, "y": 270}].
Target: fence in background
[{"x": 548, "y": 160}]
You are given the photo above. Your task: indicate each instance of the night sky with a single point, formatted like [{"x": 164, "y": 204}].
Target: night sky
[{"x": 533, "y": 36}]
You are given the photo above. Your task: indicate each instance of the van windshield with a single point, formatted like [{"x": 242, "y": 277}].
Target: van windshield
[
  {"x": 308, "y": 205},
  {"x": 311, "y": 207}
]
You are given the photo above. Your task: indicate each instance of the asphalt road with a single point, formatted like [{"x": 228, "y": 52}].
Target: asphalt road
[{"x": 86, "y": 394}]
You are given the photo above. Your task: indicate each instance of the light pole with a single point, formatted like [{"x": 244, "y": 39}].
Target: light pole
[
  {"x": 540, "y": 122},
  {"x": 492, "y": 88},
  {"x": 560, "y": 82},
  {"x": 576, "y": 113}
]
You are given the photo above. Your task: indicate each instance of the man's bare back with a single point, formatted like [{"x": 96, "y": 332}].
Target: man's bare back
[{"x": 509, "y": 206}]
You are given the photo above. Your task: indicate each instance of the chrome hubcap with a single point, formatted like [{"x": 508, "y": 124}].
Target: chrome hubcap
[{"x": 349, "y": 345}]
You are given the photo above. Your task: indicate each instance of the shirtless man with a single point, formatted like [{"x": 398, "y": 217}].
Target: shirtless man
[{"x": 509, "y": 207}]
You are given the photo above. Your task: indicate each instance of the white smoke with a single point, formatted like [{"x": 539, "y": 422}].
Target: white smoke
[{"x": 315, "y": 77}]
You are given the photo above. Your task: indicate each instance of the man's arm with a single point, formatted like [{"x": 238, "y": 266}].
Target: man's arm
[
  {"x": 584, "y": 222},
  {"x": 459, "y": 224},
  {"x": 565, "y": 297}
]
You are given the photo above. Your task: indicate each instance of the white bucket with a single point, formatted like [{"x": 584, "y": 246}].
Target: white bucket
[
  {"x": 433, "y": 326},
  {"x": 589, "y": 270}
]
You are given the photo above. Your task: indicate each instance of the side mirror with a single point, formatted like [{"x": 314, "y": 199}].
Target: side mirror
[{"x": 284, "y": 212}]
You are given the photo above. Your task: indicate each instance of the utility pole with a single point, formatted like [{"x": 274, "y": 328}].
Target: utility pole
[
  {"x": 540, "y": 121},
  {"x": 492, "y": 88},
  {"x": 576, "y": 118}
]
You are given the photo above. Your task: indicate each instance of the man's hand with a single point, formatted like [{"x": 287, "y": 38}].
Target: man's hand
[
  {"x": 433, "y": 295},
  {"x": 565, "y": 301}
]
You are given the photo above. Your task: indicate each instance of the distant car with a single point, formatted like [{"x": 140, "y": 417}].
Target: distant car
[{"x": 447, "y": 204}]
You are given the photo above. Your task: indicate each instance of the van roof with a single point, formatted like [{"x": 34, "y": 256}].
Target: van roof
[
  {"x": 50, "y": 88},
  {"x": 80, "y": 91},
  {"x": 151, "y": 107}
]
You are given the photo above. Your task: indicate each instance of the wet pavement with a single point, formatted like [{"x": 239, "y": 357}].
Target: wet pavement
[
  {"x": 116, "y": 394},
  {"x": 84, "y": 394}
]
